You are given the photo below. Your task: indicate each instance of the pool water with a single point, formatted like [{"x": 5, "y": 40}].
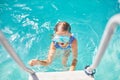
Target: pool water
[{"x": 29, "y": 24}]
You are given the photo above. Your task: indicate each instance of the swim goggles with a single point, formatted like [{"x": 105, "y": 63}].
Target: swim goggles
[{"x": 61, "y": 38}]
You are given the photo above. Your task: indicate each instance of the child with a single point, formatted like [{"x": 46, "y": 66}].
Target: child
[{"x": 64, "y": 41}]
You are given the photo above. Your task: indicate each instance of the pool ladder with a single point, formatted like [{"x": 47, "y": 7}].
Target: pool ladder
[{"x": 110, "y": 27}]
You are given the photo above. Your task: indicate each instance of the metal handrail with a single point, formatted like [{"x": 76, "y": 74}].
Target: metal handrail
[
  {"x": 16, "y": 58},
  {"x": 110, "y": 27}
]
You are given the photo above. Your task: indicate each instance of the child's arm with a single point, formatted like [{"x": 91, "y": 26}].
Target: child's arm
[
  {"x": 45, "y": 62},
  {"x": 75, "y": 53}
]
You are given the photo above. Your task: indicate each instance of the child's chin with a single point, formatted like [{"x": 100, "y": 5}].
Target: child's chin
[{"x": 62, "y": 46}]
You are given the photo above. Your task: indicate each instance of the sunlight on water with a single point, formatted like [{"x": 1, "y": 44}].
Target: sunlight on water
[{"x": 28, "y": 25}]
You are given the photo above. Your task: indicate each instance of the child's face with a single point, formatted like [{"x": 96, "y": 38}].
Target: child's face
[{"x": 62, "y": 33}]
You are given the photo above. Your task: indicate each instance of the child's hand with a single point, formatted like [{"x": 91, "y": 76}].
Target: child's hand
[
  {"x": 72, "y": 68},
  {"x": 33, "y": 62}
]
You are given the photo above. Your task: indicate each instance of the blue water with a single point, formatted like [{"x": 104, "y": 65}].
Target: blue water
[{"x": 28, "y": 25}]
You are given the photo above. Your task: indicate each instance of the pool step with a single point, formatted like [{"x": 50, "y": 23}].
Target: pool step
[{"x": 66, "y": 75}]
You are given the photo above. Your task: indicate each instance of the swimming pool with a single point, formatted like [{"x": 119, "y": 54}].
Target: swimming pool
[{"x": 28, "y": 25}]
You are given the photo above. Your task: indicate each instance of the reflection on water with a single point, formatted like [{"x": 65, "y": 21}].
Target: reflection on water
[{"x": 29, "y": 24}]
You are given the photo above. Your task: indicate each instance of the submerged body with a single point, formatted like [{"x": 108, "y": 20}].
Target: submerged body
[{"x": 63, "y": 41}]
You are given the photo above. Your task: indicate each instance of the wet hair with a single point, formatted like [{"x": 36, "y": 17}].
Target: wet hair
[{"x": 65, "y": 26}]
